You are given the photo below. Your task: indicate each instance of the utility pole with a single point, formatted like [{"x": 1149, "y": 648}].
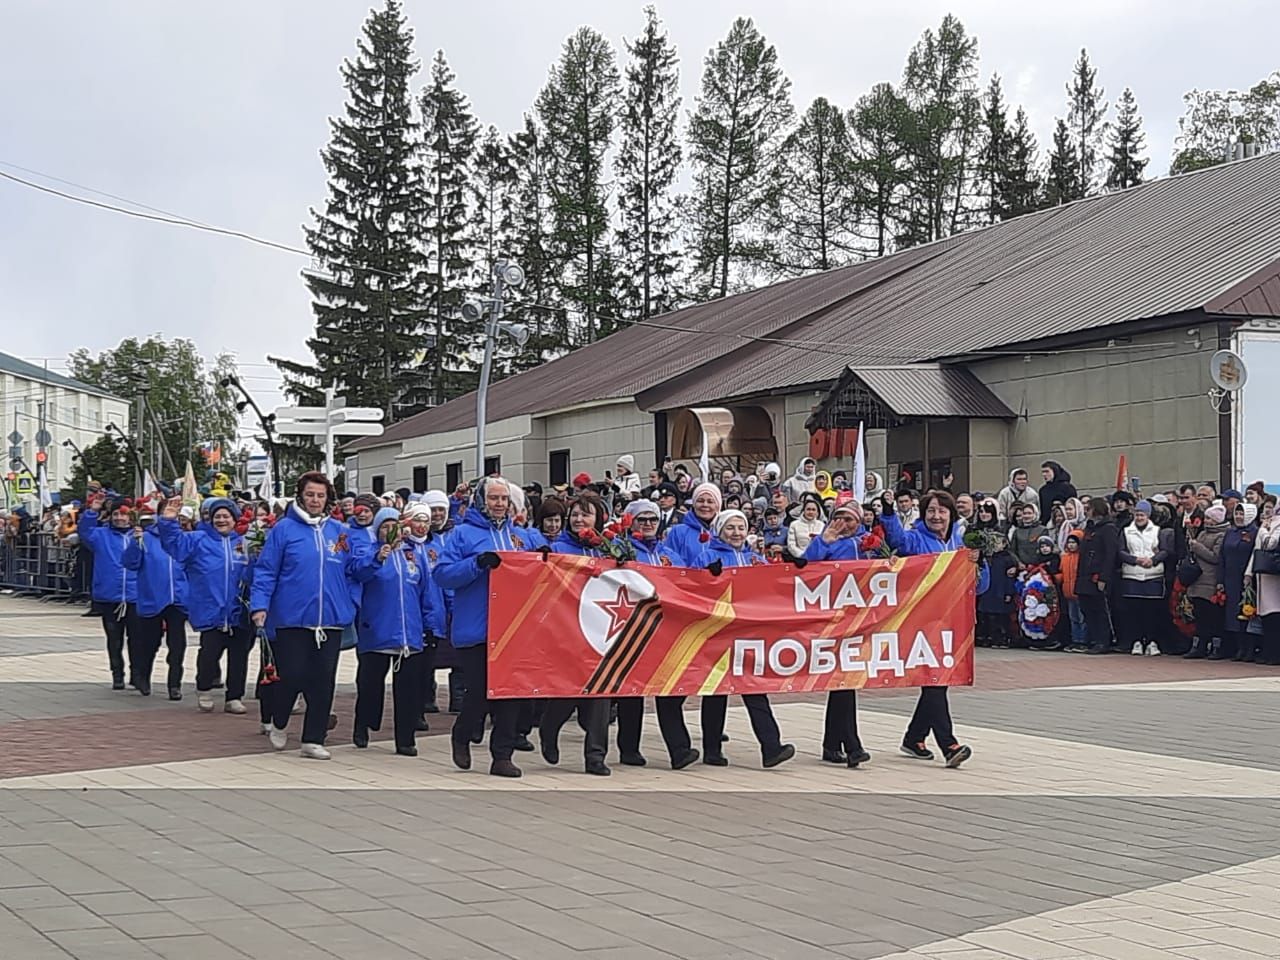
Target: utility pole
[{"x": 139, "y": 414}]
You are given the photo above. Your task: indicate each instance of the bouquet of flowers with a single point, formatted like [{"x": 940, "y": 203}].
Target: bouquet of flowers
[
  {"x": 612, "y": 541},
  {"x": 1181, "y": 609},
  {"x": 872, "y": 544},
  {"x": 256, "y": 535},
  {"x": 268, "y": 660},
  {"x": 1038, "y": 613},
  {"x": 1248, "y": 604},
  {"x": 1219, "y": 597},
  {"x": 987, "y": 542}
]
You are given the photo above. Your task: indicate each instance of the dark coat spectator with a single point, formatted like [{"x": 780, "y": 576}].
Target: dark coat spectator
[{"x": 1057, "y": 488}]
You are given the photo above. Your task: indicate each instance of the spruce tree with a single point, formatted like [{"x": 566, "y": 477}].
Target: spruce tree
[
  {"x": 738, "y": 125},
  {"x": 1085, "y": 119},
  {"x": 1063, "y": 183},
  {"x": 996, "y": 158},
  {"x": 1021, "y": 189},
  {"x": 367, "y": 295},
  {"x": 648, "y": 164},
  {"x": 448, "y": 143},
  {"x": 877, "y": 123},
  {"x": 813, "y": 209},
  {"x": 1127, "y": 142},
  {"x": 576, "y": 108},
  {"x": 493, "y": 215}
]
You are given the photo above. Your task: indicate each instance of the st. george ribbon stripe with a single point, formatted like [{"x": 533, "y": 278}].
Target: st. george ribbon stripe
[{"x": 641, "y": 625}]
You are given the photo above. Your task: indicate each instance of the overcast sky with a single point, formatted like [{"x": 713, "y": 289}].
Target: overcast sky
[{"x": 218, "y": 111}]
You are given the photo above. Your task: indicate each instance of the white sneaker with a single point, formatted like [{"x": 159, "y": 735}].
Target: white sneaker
[
  {"x": 314, "y": 751},
  {"x": 235, "y": 706},
  {"x": 267, "y": 728},
  {"x": 1137, "y": 648},
  {"x": 299, "y": 706},
  {"x": 205, "y": 702},
  {"x": 279, "y": 738},
  {"x": 1153, "y": 650}
]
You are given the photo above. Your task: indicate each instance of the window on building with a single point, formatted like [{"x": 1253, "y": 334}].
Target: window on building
[
  {"x": 419, "y": 479},
  {"x": 559, "y": 467},
  {"x": 492, "y": 465},
  {"x": 452, "y": 475},
  {"x": 379, "y": 485}
]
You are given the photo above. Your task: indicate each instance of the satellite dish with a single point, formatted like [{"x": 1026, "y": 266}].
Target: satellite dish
[{"x": 1228, "y": 371}]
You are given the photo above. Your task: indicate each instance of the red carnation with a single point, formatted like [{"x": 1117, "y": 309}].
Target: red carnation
[
  {"x": 627, "y": 521},
  {"x": 870, "y": 543},
  {"x": 703, "y": 537},
  {"x": 609, "y": 533}
]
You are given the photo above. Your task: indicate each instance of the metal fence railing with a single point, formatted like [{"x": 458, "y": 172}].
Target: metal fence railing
[{"x": 39, "y": 564}]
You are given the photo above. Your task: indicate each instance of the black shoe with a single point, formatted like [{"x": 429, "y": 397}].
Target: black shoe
[
  {"x": 420, "y": 725},
  {"x": 833, "y": 756},
  {"x": 917, "y": 750},
  {"x": 431, "y": 707},
  {"x": 716, "y": 760},
  {"x": 117, "y": 684},
  {"x": 477, "y": 737},
  {"x": 598, "y": 768},
  {"x": 333, "y": 722},
  {"x": 957, "y": 755},
  {"x": 360, "y": 737},
  {"x": 785, "y": 753},
  {"x": 1197, "y": 651},
  {"x": 633, "y": 760},
  {"x": 724, "y": 738},
  {"x": 1095, "y": 651},
  {"x": 503, "y": 768},
  {"x": 144, "y": 687},
  {"x": 550, "y": 749},
  {"x": 688, "y": 758},
  {"x": 407, "y": 751},
  {"x": 858, "y": 756},
  {"x": 175, "y": 693},
  {"x": 461, "y": 754},
  {"x": 522, "y": 743}
]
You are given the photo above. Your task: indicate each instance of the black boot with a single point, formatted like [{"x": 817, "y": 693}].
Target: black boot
[
  {"x": 1216, "y": 650},
  {"x": 456, "y": 692},
  {"x": 1197, "y": 651}
]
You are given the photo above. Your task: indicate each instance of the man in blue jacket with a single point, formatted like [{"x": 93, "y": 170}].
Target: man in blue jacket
[
  {"x": 473, "y": 549},
  {"x": 115, "y": 587},
  {"x": 162, "y": 594},
  {"x": 216, "y": 564}
]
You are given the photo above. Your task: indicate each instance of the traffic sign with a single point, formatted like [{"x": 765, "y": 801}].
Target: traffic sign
[
  {"x": 43, "y": 438},
  {"x": 287, "y": 429},
  {"x": 355, "y": 414},
  {"x": 25, "y": 483},
  {"x": 15, "y": 438},
  {"x": 15, "y": 452}
]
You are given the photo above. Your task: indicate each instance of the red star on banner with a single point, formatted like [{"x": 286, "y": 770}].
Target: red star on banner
[{"x": 619, "y": 609}]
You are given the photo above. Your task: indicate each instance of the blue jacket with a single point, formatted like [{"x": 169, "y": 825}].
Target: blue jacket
[
  {"x": 919, "y": 539},
  {"x": 846, "y": 548},
  {"x": 654, "y": 553},
  {"x": 397, "y": 600},
  {"x": 685, "y": 539},
  {"x": 429, "y": 552},
  {"x": 459, "y": 572},
  {"x": 362, "y": 540},
  {"x": 774, "y": 537},
  {"x": 568, "y": 543},
  {"x": 217, "y": 569},
  {"x": 161, "y": 582},
  {"x": 532, "y": 537},
  {"x": 717, "y": 549},
  {"x": 300, "y": 577},
  {"x": 113, "y": 582}
]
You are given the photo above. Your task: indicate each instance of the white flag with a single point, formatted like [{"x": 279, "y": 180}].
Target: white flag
[
  {"x": 704, "y": 461},
  {"x": 46, "y": 498},
  {"x": 860, "y": 468}
]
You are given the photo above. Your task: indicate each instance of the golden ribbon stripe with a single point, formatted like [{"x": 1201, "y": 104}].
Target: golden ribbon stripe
[
  {"x": 690, "y": 642},
  {"x": 541, "y": 585}
]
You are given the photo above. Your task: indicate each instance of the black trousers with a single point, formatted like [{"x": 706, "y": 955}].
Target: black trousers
[
  {"x": 1143, "y": 619},
  {"x": 1097, "y": 618},
  {"x": 933, "y": 713},
  {"x": 1209, "y": 619},
  {"x": 309, "y": 667},
  {"x": 119, "y": 630},
  {"x": 169, "y": 625},
  {"x": 1271, "y": 639},
  {"x": 840, "y": 726},
  {"x": 406, "y": 692},
  {"x": 593, "y": 715},
  {"x": 763, "y": 725},
  {"x": 675, "y": 732},
  {"x": 213, "y": 643},
  {"x": 476, "y": 704}
]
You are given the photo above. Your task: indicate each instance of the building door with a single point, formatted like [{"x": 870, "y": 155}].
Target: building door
[
  {"x": 419, "y": 479},
  {"x": 452, "y": 475},
  {"x": 559, "y": 467}
]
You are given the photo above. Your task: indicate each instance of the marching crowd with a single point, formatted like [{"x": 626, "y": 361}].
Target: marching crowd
[{"x": 402, "y": 579}]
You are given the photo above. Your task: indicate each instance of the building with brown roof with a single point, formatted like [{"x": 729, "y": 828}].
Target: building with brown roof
[{"x": 1078, "y": 333}]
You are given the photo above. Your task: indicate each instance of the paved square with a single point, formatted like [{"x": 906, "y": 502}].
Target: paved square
[{"x": 1116, "y": 807}]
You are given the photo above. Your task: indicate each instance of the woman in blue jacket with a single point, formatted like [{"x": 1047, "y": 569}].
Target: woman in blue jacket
[
  {"x": 214, "y": 560},
  {"x": 428, "y": 542},
  {"x": 840, "y": 541},
  {"x": 162, "y": 596},
  {"x": 652, "y": 552},
  {"x": 934, "y": 532},
  {"x": 728, "y": 547},
  {"x": 300, "y": 583},
  {"x": 472, "y": 549},
  {"x": 586, "y": 513},
  {"x": 396, "y": 606},
  {"x": 115, "y": 586},
  {"x": 689, "y": 538}
]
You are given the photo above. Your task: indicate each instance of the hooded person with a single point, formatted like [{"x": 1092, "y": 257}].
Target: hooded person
[
  {"x": 114, "y": 586},
  {"x": 770, "y": 481},
  {"x": 473, "y": 548},
  {"x": 162, "y": 597},
  {"x": 1019, "y": 490},
  {"x": 1073, "y": 519},
  {"x": 1057, "y": 488},
  {"x": 1237, "y": 550},
  {"x": 810, "y": 523},
  {"x": 437, "y": 501},
  {"x": 801, "y": 482},
  {"x": 688, "y": 538},
  {"x": 1025, "y": 531}
]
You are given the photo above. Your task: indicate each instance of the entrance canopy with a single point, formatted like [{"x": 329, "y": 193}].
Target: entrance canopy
[
  {"x": 890, "y": 396},
  {"x": 745, "y": 433}
]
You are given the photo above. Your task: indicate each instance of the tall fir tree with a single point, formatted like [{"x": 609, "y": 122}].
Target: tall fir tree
[
  {"x": 1063, "y": 182},
  {"x": 996, "y": 159},
  {"x": 1086, "y": 120},
  {"x": 448, "y": 144},
  {"x": 1126, "y": 144},
  {"x": 647, "y": 165},
  {"x": 740, "y": 119},
  {"x": 877, "y": 124},
  {"x": 577, "y": 109},
  {"x": 367, "y": 296},
  {"x": 1021, "y": 189},
  {"x": 940, "y": 85},
  {"x": 493, "y": 187},
  {"x": 814, "y": 204}
]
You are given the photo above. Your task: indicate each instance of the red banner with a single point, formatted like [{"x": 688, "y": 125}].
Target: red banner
[{"x": 576, "y": 626}]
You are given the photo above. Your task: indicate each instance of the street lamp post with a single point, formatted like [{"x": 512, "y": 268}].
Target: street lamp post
[
  {"x": 266, "y": 421},
  {"x": 505, "y": 275}
]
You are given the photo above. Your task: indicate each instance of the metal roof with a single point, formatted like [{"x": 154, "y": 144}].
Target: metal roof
[
  {"x": 932, "y": 390},
  {"x": 1166, "y": 247},
  {"x": 29, "y": 371}
]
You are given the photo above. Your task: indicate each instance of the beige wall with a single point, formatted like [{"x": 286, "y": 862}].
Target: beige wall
[{"x": 595, "y": 437}]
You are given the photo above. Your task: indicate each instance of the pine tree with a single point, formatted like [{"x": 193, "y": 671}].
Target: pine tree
[
  {"x": 648, "y": 164},
  {"x": 1063, "y": 183},
  {"x": 996, "y": 157},
  {"x": 448, "y": 143},
  {"x": 740, "y": 119},
  {"x": 1127, "y": 142},
  {"x": 813, "y": 208},
  {"x": 877, "y": 122},
  {"x": 493, "y": 217},
  {"x": 367, "y": 298},
  {"x": 940, "y": 85},
  {"x": 576, "y": 107},
  {"x": 1021, "y": 189},
  {"x": 1085, "y": 119}
]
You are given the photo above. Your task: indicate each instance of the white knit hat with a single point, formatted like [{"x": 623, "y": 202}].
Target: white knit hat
[
  {"x": 436, "y": 498},
  {"x": 723, "y": 517},
  {"x": 712, "y": 489}
]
